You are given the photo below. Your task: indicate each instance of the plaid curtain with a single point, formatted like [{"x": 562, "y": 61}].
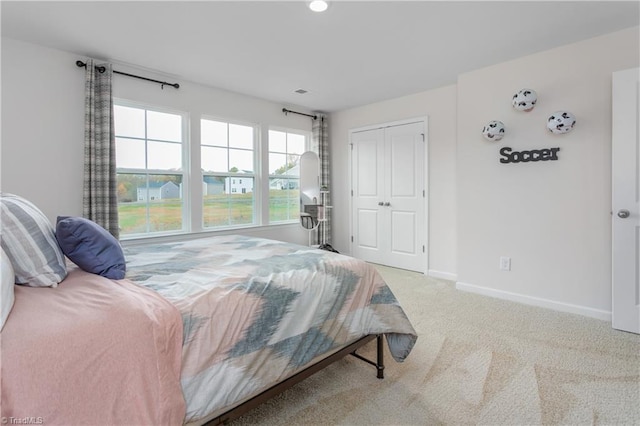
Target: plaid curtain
[
  {"x": 100, "y": 201},
  {"x": 320, "y": 131}
]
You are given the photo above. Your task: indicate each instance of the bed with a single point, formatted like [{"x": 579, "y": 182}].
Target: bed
[{"x": 197, "y": 332}]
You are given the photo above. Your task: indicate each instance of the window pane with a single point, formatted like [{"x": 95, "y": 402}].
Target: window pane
[
  {"x": 277, "y": 141},
  {"x": 130, "y": 153},
  {"x": 128, "y": 121},
  {"x": 284, "y": 199},
  {"x": 164, "y": 156},
  {"x": 295, "y": 144},
  {"x": 293, "y": 165},
  {"x": 164, "y": 126},
  {"x": 214, "y": 159},
  {"x": 277, "y": 164},
  {"x": 241, "y": 160},
  {"x": 165, "y": 202},
  {"x": 149, "y": 205},
  {"x": 240, "y": 136},
  {"x": 213, "y": 133},
  {"x": 228, "y": 201},
  {"x": 132, "y": 215}
]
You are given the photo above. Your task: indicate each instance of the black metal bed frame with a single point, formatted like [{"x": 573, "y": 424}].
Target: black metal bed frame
[{"x": 300, "y": 376}]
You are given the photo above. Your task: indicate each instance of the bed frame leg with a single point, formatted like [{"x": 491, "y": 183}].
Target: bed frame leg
[
  {"x": 379, "y": 364},
  {"x": 380, "y": 360}
]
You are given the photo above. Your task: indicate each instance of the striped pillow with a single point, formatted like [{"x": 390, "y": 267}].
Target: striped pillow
[
  {"x": 7, "y": 281},
  {"x": 29, "y": 241}
]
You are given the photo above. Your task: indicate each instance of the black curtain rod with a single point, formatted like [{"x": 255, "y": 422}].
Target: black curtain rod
[
  {"x": 102, "y": 69},
  {"x": 287, "y": 111}
]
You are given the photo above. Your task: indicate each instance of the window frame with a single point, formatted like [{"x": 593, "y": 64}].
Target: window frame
[
  {"x": 308, "y": 136},
  {"x": 185, "y": 164},
  {"x": 256, "y": 176}
]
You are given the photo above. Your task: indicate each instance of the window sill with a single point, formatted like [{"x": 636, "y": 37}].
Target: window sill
[{"x": 184, "y": 236}]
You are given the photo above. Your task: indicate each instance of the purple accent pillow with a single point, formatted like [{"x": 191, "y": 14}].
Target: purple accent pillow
[{"x": 91, "y": 247}]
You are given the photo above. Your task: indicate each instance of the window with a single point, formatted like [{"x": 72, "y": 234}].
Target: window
[
  {"x": 227, "y": 152},
  {"x": 285, "y": 149},
  {"x": 149, "y": 168}
]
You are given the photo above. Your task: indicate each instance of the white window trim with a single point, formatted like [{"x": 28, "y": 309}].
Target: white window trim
[
  {"x": 186, "y": 166},
  {"x": 257, "y": 174},
  {"x": 192, "y": 208}
]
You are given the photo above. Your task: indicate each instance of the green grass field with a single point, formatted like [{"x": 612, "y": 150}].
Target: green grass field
[{"x": 218, "y": 211}]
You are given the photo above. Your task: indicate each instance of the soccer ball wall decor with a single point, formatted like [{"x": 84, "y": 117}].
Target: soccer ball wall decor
[
  {"x": 493, "y": 131},
  {"x": 525, "y": 100},
  {"x": 561, "y": 122}
]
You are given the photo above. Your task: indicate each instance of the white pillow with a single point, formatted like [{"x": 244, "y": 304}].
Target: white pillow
[
  {"x": 28, "y": 238},
  {"x": 6, "y": 287}
]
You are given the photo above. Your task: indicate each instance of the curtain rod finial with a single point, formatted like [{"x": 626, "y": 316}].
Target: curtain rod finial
[{"x": 80, "y": 64}]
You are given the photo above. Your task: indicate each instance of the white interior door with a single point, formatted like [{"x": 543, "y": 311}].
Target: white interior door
[
  {"x": 388, "y": 218},
  {"x": 404, "y": 199},
  {"x": 368, "y": 194},
  {"x": 626, "y": 201}
]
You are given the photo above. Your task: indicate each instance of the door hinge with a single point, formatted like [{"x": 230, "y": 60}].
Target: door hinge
[
  {"x": 422, "y": 137},
  {"x": 423, "y": 194},
  {"x": 352, "y": 192},
  {"x": 423, "y": 249},
  {"x": 352, "y": 238}
]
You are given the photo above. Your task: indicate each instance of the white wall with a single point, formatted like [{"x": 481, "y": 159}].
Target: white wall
[
  {"x": 552, "y": 218},
  {"x": 43, "y": 125},
  {"x": 439, "y": 106}
]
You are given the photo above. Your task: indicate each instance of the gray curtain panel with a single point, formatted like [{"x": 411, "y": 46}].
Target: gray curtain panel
[
  {"x": 100, "y": 201},
  {"x": 320, "y": 131}
]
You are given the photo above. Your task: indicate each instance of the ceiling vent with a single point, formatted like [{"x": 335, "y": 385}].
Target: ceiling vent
[{"x": 301, "y": 91}]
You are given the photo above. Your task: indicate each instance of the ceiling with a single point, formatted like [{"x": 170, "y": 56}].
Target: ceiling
[{"x": 355, "y": 53}]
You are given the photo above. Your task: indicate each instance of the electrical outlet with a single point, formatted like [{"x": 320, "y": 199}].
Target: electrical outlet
[{"x": 505, "y": 263}]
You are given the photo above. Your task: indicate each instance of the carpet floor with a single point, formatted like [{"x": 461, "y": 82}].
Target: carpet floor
[{"x": 478, "y": 360}]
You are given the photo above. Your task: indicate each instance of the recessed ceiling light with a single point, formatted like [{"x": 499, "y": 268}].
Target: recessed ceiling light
[{"x": 318, "y": 5}]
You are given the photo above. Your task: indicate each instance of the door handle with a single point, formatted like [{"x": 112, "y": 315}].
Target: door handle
[
  {"x": 623, "y": 214},
  {"x": 387, "y": 204},
  {"x": 380, "y": 203}
]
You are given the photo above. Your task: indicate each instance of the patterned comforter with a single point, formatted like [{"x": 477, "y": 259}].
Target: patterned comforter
[{"x": 257, "y": 311}]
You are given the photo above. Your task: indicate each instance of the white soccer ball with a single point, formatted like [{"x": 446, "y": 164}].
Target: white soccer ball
[
  {"x": 525, "y": 100},
  {"x": 561, "y": 122},
  {"x": 493, "y": 131}
]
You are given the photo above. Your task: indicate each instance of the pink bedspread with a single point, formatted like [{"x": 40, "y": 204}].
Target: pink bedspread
[{"x": 92, "y": 351}]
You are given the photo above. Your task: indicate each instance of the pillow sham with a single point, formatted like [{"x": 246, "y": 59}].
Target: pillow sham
[
  {"x": 91, "y": 247},
  {"x": 29, "y": 241},
  {"x": 7, "y": 284}
]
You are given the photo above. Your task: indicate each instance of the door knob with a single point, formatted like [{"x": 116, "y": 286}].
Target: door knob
[
  {"x": 387, "y": 204},
  {"x": 623, "y": 214},
  {"x": 380, "y": 203}
]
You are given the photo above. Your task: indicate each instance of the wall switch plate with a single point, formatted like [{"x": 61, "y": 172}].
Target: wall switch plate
[{"x": 505, "y": 263}]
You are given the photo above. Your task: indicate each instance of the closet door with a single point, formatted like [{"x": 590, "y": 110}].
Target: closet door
[
  {"x": 404, "y": 197},
  {"x": 388, "y": 196},
  {"x": 368, "y": 194}
]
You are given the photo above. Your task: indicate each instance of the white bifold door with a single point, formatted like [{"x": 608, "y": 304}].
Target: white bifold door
[
  {"x": 388, "y": 196},
  {"x": 626, "y": 201}
]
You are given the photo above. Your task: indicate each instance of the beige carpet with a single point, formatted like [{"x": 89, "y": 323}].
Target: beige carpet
[{"x": 478, "y": 360}]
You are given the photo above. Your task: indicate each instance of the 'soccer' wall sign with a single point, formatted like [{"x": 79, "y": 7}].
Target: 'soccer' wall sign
[{"x": 545, "y": 154}]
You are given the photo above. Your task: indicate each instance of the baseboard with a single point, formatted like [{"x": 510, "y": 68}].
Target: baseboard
[
  {"x": 536, "y": 301},
  {"x": 442, "y": 275}
]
